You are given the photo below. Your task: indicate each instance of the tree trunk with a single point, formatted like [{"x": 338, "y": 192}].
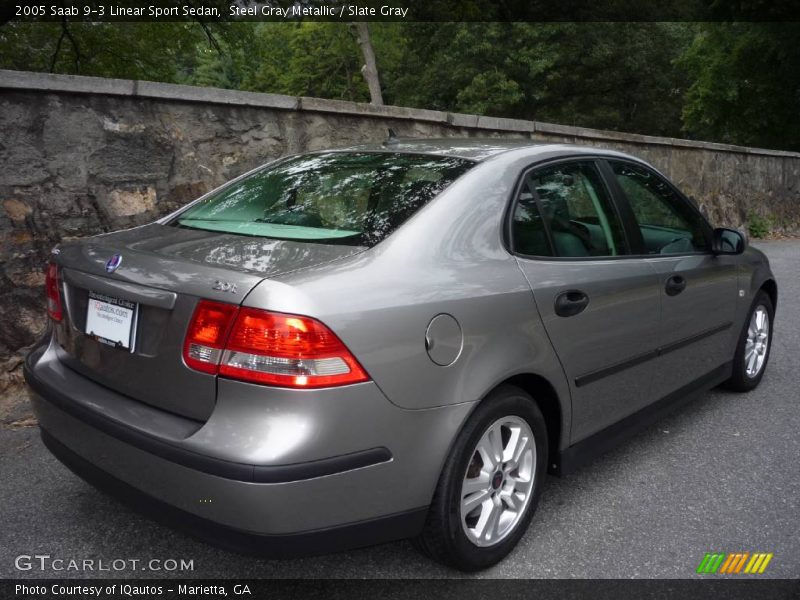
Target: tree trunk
[{"x": 370, "y": 68}]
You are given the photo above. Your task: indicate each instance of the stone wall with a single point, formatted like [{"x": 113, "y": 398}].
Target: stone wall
[{"x": 82, "y": 155}]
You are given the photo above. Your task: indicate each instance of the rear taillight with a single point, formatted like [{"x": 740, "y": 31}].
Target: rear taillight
[
  {"x": 268, "y": 348},
  {"x": 207, "y": 333},
  {"x": 52, "y": 289}
]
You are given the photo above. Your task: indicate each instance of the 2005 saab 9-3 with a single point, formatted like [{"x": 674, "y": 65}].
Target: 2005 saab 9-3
[{"x": 388, "y": 341}]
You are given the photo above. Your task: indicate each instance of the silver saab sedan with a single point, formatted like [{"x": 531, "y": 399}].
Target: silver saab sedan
[{"x": 391, "y": 341}]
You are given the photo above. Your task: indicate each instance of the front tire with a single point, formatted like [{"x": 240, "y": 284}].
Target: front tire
[
  {"x": 754, "y": 345},
  {"x": 490, "y": 485}
]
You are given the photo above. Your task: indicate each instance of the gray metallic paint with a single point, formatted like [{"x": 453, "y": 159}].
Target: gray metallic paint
[
  {"x": 620, "y": 323},
  {"x": 290, "y": 426},
  {"x": 709, "y": 301},
  {"x": 448, "y": 258}
]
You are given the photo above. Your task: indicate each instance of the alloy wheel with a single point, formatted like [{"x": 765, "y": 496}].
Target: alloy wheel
[
  {"x": 757, "y": 343},
  {"x": 499, "y": 481}
]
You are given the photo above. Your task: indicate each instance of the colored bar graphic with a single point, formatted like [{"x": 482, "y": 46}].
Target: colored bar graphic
[
  {"x": 720, "y": 563},
  {"x": 711, "y": 562},
  {"x": 726, "y": 566},
  {"x": 764, "y": 564},
  {"x": 755, "y": 563},
  {"x": 701, "y": 568},
  {"x": 704, "y": 563},
  {"x": 717, "y": 563},
  {"x": 740, "y": 564}
]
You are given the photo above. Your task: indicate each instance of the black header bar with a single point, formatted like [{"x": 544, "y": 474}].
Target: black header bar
[{"x": 396, "y": 10}]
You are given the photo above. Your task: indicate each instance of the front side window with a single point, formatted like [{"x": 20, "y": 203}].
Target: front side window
[
  {"x": 667, "y": 224},
  {"x": 333, "y": 198},
  {"x": 565, "y": 211}
]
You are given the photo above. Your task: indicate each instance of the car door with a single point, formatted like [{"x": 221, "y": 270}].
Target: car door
[
  {"x": 697, "y": 290},
  {"x": 599, "y": 305}
]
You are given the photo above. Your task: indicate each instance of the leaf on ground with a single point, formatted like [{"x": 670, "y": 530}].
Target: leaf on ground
[{"x": 22, "y": 423}]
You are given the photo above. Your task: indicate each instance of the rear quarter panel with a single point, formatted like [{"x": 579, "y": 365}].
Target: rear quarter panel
[{"x": 448, "y": 258}]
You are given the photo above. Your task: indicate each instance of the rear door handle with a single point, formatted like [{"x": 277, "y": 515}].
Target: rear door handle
[
  {"x": 675, "y": 285},
  {"x": 570, "y": 303}
]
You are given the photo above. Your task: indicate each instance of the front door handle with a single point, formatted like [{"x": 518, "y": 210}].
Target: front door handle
[
  {"x": 675, "y": 285},
  {"x": 570, "y": 303}
]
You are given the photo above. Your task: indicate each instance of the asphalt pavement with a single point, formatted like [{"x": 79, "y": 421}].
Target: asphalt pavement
[{"x": 721, "y": 475}]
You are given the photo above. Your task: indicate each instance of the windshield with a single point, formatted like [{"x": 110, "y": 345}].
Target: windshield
[{"x": 333, "y": 198}]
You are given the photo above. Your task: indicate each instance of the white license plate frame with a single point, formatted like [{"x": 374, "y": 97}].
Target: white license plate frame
[{"x": 112, "y": 321}]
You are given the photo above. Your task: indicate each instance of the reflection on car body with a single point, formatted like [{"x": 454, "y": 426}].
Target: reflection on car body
[{"x": 395, "y": 340}]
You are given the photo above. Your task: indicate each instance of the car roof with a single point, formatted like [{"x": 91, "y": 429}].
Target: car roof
[{"x": 477, "y": 149}]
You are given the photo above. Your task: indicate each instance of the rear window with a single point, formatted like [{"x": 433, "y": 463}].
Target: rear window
[{"x": 333, "y": 198}]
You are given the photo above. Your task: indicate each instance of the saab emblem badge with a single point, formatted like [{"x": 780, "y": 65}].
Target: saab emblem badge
[{"x": 113, "y": 263}]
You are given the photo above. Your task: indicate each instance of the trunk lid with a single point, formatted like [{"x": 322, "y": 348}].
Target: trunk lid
[{"x": 165, "y": 270}]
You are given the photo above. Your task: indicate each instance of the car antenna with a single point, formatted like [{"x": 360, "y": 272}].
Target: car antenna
[{"x": 392, "y": 139}]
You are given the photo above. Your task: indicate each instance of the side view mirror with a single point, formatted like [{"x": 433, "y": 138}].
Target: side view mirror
[{"x": 728, "y": 241}]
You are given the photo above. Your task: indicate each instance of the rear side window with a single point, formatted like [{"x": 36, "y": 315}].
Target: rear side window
[
  {"x": 667, "y": 223},
  {"x": 334, "y": 198},
  {"x": 566, "y": 211}
]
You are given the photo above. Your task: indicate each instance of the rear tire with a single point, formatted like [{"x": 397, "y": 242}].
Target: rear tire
[
  {"x": 490, "y": 485},
  {"x": 754, "y": 346}
]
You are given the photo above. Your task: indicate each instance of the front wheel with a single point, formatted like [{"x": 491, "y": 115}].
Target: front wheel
[
  {"x": 755, "y": 342},
  {"x": 490, "y": 484}
]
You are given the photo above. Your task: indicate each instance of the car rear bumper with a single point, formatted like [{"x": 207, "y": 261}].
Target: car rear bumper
[
  {"x": 338, "y": 500},
  {"x": 352, "y": 535}
]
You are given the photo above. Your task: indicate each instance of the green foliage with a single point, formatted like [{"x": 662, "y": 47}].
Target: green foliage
[
  {"x": 490, "y": 91},
  {"x": 745, "y": 84},
  {"x": 758, "y": 226},
  {"x": 736, "y": 83},
  {"x": 609, "y": 75},
  {"x": 218, "y": 63},
  {"x": 320, "y": 59},
  {"x": 125, "y": 50}
]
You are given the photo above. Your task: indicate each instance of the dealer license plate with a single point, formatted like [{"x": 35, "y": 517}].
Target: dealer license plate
[{"x": 111, "y": 321}]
